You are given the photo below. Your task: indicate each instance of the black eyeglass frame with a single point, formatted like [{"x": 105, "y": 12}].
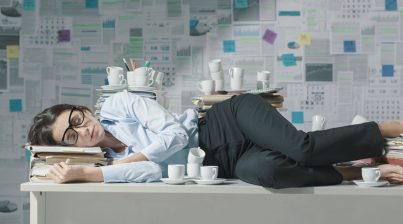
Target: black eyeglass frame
[{"x": 71, "y": 126}]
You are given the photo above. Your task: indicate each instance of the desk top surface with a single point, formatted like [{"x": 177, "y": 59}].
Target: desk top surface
[{"x": 229, "y": 187}]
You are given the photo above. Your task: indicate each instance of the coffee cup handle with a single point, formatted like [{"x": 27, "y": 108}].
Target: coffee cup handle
[
  {"x": 230, "y": 73},
  {"x": 215, "y": 172},
  {"x": 378, "y": 174},
  {"x": 151, "y": 82},
  {"x": 107, "y": 70},
  {"x": 123, "y": 81}
]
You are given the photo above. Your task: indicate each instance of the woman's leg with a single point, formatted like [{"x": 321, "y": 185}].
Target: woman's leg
[
  {"x": 270, "y": 168},
  {"x": 266, "y": 127}
]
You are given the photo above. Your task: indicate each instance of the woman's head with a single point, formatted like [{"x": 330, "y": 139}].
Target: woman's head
[{"x": 66, "y": 124}]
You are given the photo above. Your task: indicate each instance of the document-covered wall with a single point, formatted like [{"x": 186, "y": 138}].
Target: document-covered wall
[{"x": 333, "y": 58}]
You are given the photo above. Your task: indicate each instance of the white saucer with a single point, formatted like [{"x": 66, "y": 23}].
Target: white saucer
[
  {"x": 175, "y": 181},
  {"x": 141, "y": 88},
  {"x": 209, "y": 182},
  {"x": 113, "y": 87},
  {"x": 362, "y": 183}
]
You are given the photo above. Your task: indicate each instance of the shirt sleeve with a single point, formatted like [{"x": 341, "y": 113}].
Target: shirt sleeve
[
  {"x": 172, "y": 135},
  {"x": 137, "y": 172}
]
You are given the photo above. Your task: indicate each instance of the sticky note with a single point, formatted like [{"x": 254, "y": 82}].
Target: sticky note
[
  {"x": 288, "y": 60},
  {"x": 63, "y": 35},
  {"x": 12, "y": 51},
  {"x": 391, "y": 5},
  {"x": 193, "y": 23},
  {"x": 27, "y": 155},
  {"x": 289, "y": 13},
  {"x": 91, "y": 4},
  {"x": 15, "y": 105},
  {"x": 304, "y": 39},
  {"x": 269, "y": 36},
  {"x": 349, "y": 46},
  {"x": 293, "y": 45},
  {"x": 387, "y": 70},
  {"x": 297, "y": 117},
  {"x": 229, "y": 46},
  {"x": 241, "y": 4},
  {"x": 28, "y": 5}
]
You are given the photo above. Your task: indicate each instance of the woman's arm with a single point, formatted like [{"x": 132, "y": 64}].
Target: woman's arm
[
  {"x": 63, "y": 173},
  {"x": 136, "y": 157}
]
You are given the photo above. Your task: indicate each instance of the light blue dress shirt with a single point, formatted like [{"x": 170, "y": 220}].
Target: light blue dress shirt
[{"x": 145, "y": 126}]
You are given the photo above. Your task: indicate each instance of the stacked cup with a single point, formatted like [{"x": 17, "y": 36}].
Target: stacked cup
[
  {"x": 217, "y": 74},
  {"x": 263, "y": 79},
  {"x": 195, "y": 160}
]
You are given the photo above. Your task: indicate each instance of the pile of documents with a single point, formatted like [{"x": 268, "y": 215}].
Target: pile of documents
[
  {"x": 395, "y": 151},
  {"x": 205, "y": 102},
  {"x": 103, "y": 94},
  {"x": 43, "y": 158}
]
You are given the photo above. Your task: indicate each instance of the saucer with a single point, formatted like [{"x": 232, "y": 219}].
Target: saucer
[
  {"x": 362, "y": 183},
  {"x": 175, "y": 181},
  {"x": 209, "y": 182},
  {"x": 113, "y": 87},
  {"x": 141, "y": 88}
]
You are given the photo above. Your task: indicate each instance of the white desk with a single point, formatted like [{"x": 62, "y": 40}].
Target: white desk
[{"x": 234, "y": 202}]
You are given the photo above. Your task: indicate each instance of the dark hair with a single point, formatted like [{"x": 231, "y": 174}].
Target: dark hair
[{"x": 40, "y": 132}]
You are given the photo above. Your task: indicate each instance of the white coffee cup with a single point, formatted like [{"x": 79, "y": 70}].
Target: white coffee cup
[
  {"x": 263, "y": 80},
  {"x": 196, "y": 155},
  {"x": 158, "y": 78},
  {"x": 358, "y": 119},
  {"x": 176, "y": 171},
  {"x": 138, "y": 79},
  {"x": 208, "y": 172},
  {"x": 318, "y": 122},
  {"x": 217, "y": 75},
  {"x": 215, "y": 65},
  {"x": 193, "y": 170},
  {"x": 115, "y": 75},
  {"x": 370, "y": 174},
  {"x": 236, "y": 78},
  {"x": 207, "y": 86},
  {"x": 219, "y": 84}
]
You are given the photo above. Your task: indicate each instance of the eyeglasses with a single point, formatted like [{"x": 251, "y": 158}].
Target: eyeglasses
[{"x": 76, "y": 118}]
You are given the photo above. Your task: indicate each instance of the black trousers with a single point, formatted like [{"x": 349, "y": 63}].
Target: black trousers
[{"x": 250, "y": 140}]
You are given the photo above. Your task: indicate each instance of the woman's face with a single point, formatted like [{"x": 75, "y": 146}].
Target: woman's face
[{"x": 90, "y": 132}]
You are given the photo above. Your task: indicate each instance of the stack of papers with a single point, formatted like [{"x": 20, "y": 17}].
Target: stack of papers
[
  {"x": 395, "y": 150},
  {"x": 43, "y": 158}
]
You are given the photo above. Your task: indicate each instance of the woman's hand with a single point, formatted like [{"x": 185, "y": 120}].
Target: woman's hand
[
  {"x": 392, "y": 173},
  {"x": 63, "y": 173}
]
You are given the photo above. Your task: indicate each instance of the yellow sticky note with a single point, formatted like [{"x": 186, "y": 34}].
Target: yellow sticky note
[
  {"x": 304, "y": 39},
  {"x": 12, "y": 51}
]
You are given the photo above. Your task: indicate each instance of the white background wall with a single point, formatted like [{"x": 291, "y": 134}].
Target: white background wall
[{"x": 348, "y": 62}]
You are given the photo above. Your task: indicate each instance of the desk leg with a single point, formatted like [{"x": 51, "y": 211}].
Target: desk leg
[{"x": 37, "y": 207}]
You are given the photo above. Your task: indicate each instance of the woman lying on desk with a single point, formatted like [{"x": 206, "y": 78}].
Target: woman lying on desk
[{"x": 245, "y": 136}]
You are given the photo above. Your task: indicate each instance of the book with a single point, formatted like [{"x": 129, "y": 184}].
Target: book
[{"x": 64, "y": 149}]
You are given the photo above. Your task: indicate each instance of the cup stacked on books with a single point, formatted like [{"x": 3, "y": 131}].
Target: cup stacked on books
[
  {"x": 263, "y": 80},
  {"x": 217, "y": 74},
  {"x": 195, "y": 160}
]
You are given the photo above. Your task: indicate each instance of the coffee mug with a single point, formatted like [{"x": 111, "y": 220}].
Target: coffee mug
[
  {"x": 193, "y": 170},
  {"x": 318, "y": 122},
  {"x": 217, "y": 75},
  {"x": 236, "y": 78},
  {"x": 138, "y": 79},
  {"x": 158, "y": 78},
  {"x": 176, "y": 171},
  {"x": 263, "y": 80},
  {"x": 370, "y": 174},
  {"x": 208, "y": 172},
  {"x": 115, "y": 75},
  {"x": 219, "y": 84},
  {"x": 196, "y": 155},
  {"x": 358, "y": 119},
  {"x": 206, "y": 86},
  {"x": 215, "y": 65}
]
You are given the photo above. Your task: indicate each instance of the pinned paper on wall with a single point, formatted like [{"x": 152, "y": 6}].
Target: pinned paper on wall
[
  {"x": 28, "y": 5},
  {"x": 15, "y": 105},
  {"x": 91, "y": 4},
  {"x": 387, "y": 70},
  {"x": 350, "y": 46},
  {"x": 304, "y": 39},
  {"x": 229, "y": 46},
  {"x": 269, "y": 36},
  {"x": 63, "y": 35},
  {"x": 391, "y": 5},
  {"x": 241, "y": 4},
  {"x": 297, "y": 117},
  {"x": 12, "y": 51},
  {"x": 289, "y": 60}
]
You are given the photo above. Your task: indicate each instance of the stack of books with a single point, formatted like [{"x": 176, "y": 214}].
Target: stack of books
[
  {"x": 43, "y": 158},
  {"x": 103, "y": 94},
  {"x": 205, "y": 102},
  {"x": 394, "y": 147}
]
